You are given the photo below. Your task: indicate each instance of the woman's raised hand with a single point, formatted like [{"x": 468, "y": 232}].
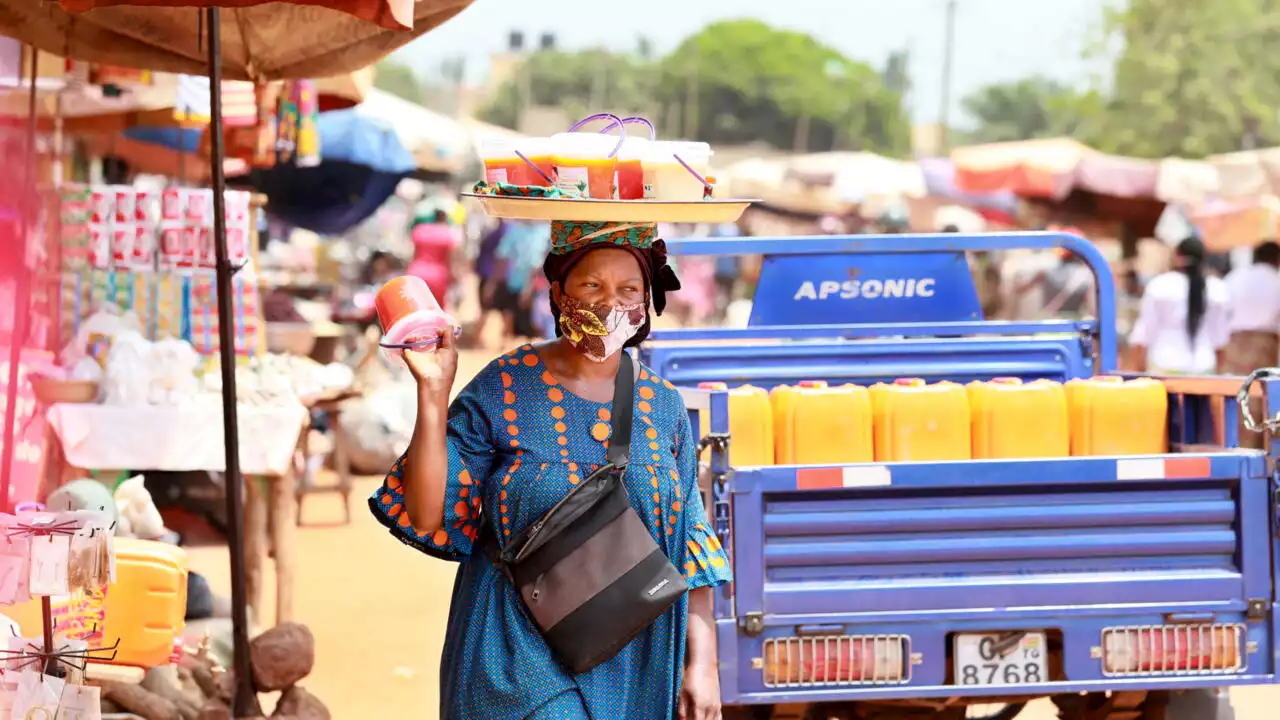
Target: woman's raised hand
[{"x": 434, "y": 368}]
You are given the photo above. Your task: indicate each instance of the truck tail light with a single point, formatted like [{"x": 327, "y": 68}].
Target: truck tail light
[
  {"x": 837, "y": 660},
  {"x": 1173, "y": 650}
]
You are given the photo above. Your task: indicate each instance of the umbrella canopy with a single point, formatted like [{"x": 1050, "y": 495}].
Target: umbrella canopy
[
  {"x": 361, "y": 164},
  {"x": 1052, "y": 169},
  {"x": 437, "y": 142},
  {"x": 270, "y": 41},
  {"x": 1248, "y": 174},
  {"x": 940, "y": 180},
  {"x": 823, "y": 183}
]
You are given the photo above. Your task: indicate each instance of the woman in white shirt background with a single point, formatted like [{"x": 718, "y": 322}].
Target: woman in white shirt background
[
  {"x": 1255, "y": 313},
  {"x": 1183, "y": 321}
]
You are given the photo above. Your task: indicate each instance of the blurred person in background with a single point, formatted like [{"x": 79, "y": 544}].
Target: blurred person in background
[
  {"x": 434, "y": 244},
  {"x": 1183, "y": 321},
  {"x": 1068, "y": 288},
  {"x": 519, "y": 254},
  {"x": 1255, "y": 312},
  {"x": 727, "y": 269}
]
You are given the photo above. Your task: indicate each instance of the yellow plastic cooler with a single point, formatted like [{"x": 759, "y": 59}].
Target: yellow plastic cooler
[
  {"x": 145, "y": 607},
  {"x": 750, "y": 424},
  {"x": 918, "y": 421},
  {"x": 1013, "y": 419},
  {"x": 815, "y": 424},
  {"x": 1112, "y": 416}
]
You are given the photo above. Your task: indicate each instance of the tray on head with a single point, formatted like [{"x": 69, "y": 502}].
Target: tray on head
[{"x": 591, "y": 210}]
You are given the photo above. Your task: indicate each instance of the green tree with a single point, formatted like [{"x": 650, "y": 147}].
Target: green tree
[
  {"x": 1194, "y": 80},
  {"x": 1031, "y": 108},
  {"x": 580, "y": 82},
  {"x": 748, "y": 81},
  {"x": 398, "y": 79}
]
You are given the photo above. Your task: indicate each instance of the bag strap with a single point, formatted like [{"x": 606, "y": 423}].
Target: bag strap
[{"x": 623, "y": 406}]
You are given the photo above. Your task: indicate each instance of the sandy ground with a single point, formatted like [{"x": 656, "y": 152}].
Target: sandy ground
[{"x": 378, "y": 611}]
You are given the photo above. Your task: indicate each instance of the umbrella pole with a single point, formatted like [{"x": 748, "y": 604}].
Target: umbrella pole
[{"x": 244, "y": 702}]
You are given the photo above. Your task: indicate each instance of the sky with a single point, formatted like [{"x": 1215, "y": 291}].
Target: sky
[{"x": 996, "y": 40}]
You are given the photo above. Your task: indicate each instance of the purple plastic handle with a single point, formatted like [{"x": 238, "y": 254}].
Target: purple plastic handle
[
  {"x": 536, "y": 169},
  {"x": 635, "y": 120},
  {"x": 29, "y": 507},
  {"x": 692, "y": 172},
  {"x": 601, "y": 116},
  {"x": 416, "y": 344}
]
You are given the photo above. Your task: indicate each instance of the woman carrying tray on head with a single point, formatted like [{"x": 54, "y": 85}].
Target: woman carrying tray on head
[{"x": 519, "y": 437}]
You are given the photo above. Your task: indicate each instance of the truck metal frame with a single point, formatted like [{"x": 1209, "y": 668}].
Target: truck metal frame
[{"x": 1077, "y": 548}]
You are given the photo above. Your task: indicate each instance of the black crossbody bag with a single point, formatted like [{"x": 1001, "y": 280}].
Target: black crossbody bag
[{"x": 589, "y": 571}]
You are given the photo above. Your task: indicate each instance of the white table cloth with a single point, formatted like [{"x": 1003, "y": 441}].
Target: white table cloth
[{"x": 107, "y": 437}]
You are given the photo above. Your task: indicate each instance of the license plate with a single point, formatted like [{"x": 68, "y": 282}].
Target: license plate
[{"x": 996, "y": 659}]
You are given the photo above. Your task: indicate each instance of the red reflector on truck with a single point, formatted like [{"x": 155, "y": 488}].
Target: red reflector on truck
[
  {"x": 1163, "y": 468},
  {"x": 858, "y": 476}
]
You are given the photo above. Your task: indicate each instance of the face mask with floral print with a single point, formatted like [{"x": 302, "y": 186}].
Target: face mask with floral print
[{"x": 599, "y": 331}]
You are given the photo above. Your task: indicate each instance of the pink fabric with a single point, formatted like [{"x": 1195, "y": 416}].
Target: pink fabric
[{"x": 433, "y": 244}]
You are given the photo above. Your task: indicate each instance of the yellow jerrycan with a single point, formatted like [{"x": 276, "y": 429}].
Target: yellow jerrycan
[
  {"x": 750, "y": 424},
  {"x": 1013, "y": 419},
  {"x": 1114, "y": 416},
  {"x": 826, "y": 425},
  {"x": 915, "y": 420}
]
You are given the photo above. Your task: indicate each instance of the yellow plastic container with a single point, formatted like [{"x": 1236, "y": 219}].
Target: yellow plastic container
[
  {"x": 1012, "y": 419},
  {"x": 1112, "y": 416},
  {"x": 750, "y": 424},
  {"x": 822, "y": 425},
  {"x": 782, "y": 402},
  {"x": 918, "y": 421},
  {"x": 145, "y": 607}
]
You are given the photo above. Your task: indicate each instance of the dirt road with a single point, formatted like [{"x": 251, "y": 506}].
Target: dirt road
[{"x": 378, "y": 610}]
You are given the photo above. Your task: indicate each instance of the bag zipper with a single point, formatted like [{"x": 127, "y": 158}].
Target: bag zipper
[{"x": 536, "y": 528}]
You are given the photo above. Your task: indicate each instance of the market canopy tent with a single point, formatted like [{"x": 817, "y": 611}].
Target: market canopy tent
[{"x": 260, "y": 41}]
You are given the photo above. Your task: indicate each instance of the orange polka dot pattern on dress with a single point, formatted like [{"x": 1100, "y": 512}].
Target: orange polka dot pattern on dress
[{"x": 518, "y": 441}]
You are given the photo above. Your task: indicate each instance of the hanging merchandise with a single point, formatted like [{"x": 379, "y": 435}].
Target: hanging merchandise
[
  {"x": 37, "y": 696},
  {"x": 65, "y": 553},
  {"x": 202, "y": 330},
  {"x": 138, "y": 250},
  {"x": 297, "y": 125}
]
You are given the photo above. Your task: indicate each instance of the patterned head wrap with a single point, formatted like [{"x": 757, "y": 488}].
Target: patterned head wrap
[{"x": 571, "y": 241}]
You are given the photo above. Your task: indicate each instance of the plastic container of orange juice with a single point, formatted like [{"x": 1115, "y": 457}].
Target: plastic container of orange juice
[
  {"x": 537, "y": 162},
  {"x": 918, "y": 421},
  {"x": 1013, "y": 419},
  {"x": 630, "y": 172},
  {"x": 145, "y": 607},
  {"x": 750, "y": 424},
  {"x": 501, "y": 165},
  {"x": 1114, "y": 416},
  {"x": 410, "y": 316},
  {"x": 586, "y": 163},
  {"x": 828, "y": 425}
]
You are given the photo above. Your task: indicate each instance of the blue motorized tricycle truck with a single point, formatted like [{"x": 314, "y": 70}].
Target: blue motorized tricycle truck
[{"x": 1122, "y": 588}]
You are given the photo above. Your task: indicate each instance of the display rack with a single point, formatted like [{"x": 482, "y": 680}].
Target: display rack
[{"x": 59, "y": 664}]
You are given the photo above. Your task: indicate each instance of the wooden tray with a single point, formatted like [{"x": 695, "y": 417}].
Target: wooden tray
[{"x": 590, "y": 210}]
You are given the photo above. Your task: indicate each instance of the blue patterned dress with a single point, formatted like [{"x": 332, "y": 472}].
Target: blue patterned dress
[{"x": 518, "y": 442}]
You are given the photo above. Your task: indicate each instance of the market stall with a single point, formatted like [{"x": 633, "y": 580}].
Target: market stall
[
  {"x": 285, "y": 41},
  {"x": 1064, "y": 181}
]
